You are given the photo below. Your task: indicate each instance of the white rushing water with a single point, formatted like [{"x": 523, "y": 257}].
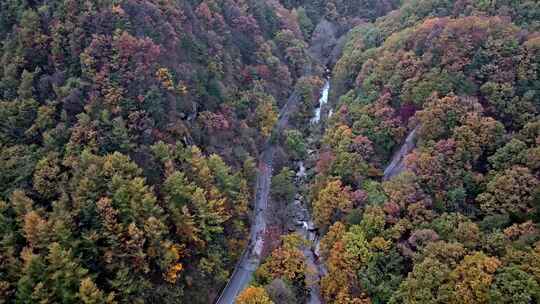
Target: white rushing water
[
  {"x": 304, "y": 221},
  {"x": 322, "y": 101},
  {"x": 301, "y": 170}
]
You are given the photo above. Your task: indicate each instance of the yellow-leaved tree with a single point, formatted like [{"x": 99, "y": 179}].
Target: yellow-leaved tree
[
  {"x": 333, "y": 201},
  {"x": 253, "y": 295}
]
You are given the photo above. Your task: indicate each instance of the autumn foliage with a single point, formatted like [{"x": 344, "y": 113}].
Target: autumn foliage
[{"x": 450, "y": 227}]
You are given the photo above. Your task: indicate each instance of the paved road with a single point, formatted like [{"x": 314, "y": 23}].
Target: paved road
[
  {"x": 251, "y": 257},
  {"x": 397, "y": 165}
]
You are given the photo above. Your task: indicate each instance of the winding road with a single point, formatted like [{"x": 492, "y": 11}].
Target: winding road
[{"x": 251, "y": 258}]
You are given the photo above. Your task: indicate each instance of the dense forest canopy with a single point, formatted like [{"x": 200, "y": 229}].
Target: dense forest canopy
[
  {"x": 128, "y": 139},
  {"x": 459, "y": 225},
  {"x": 131, "y": 130}
]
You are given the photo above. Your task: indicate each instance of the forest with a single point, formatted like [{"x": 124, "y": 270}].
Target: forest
[{"x": 134, "y": 135}]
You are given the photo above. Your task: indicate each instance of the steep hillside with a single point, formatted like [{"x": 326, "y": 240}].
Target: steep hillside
[
  {"x": 129, "y": 134},
  {"x": 132, "y": 133},
  {"x": 459, "y": 224}
]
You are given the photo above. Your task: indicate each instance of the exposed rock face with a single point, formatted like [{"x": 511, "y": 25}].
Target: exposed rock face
[
  {"x": 323, "y": 41},
  {"x": 328, "y": 40},
  {"x": 337, "y": 50}
]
